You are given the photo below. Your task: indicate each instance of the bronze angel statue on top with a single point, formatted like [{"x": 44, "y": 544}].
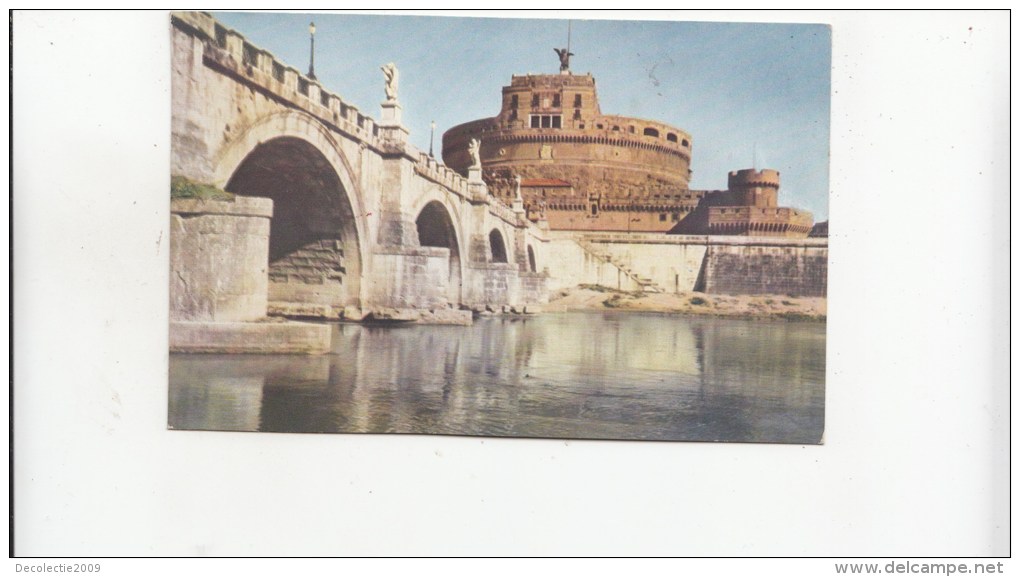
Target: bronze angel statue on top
[{"x": 564, "y": 54}]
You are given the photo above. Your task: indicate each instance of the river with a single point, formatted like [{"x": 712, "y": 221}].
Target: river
[{"x": 598, "y": 375}]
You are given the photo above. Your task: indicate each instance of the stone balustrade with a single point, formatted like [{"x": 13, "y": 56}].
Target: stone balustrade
[
  {"x": 430, "y": 168},
  {"x": 502, "y": 211}
]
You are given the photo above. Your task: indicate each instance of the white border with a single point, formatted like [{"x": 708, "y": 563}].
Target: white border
[{"x": 915, "y": 460}]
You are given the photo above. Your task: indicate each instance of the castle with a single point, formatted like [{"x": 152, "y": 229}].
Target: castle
[{"x": 578, "y": 169}]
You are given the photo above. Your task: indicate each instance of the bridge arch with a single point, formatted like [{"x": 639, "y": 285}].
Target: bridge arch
[
  {"x": 316, "y": 235},
  {"x": 436, "y": 229},
  {"x": 497, "y": 247}
]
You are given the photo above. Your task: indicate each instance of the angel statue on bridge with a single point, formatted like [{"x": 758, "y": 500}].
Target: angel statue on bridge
[
  {"x": 474, "y": 149},
  {"x": 392, "y": 80}
]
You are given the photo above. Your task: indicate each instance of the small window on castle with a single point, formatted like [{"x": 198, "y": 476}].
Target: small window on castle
[
  {"x": 651, "y": 132},
  {"x": 594, "y": 210},
  {"x": 536, "y": 121},
  {"x": 546, "y": 121},
  {"x": 557, "y": 122},
  {"x": 513, "y": 101},
  {"x": 556, "y": 100},
  {"x": 616, "y": 129},
  {"x": 662, "y": 217},
  {"x": 278, "y": 71},
  {"x": 599, "y": 126},
  {"x": 302, "y": 86},
  {"x": 671, "y": 137},
  {"x": 632, "y": 130},
  {"x": 685, "y": 143},
  {"x": 577, "y": 101},
  {"x": 577, "y": 116},
  {"x": 534, "y": 100},
  {"x": 676, "y": 216},
  {"x": 324, "y": 97}
]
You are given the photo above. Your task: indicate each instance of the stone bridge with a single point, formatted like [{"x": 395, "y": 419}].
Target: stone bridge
[{"x": 359, "y": 219}]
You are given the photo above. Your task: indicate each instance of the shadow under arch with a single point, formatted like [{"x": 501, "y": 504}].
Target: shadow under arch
[
  {"x": 314, "y": 245},
  {"x": 436, "y": 229},
  {"x": 497, "y": 246},
  {"x": 299, "y": 125}
]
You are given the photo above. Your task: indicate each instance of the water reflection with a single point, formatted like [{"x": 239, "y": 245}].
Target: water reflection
[{"x": 606, "y": 376}]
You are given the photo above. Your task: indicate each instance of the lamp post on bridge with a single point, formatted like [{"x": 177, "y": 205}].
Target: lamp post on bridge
[
  {"x": 432, "y": 137},
  {"x": 311, "y": 63}
]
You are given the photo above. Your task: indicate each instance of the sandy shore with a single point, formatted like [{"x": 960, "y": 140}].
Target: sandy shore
[{"x": 588, "y": 297}]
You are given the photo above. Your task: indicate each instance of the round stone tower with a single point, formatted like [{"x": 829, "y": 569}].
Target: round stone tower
[
  {"x": 550, "y": 126},
  {"x": 757, "y": 188}
]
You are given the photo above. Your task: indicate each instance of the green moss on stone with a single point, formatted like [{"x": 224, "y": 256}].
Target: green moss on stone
[{"x": 181, "y": 187}]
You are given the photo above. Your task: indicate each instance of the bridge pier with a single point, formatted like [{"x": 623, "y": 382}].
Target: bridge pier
[{"x": 219, "y": 253}]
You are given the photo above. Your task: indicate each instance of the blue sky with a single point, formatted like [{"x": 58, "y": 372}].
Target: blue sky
[{"x": 747, "y": 93}]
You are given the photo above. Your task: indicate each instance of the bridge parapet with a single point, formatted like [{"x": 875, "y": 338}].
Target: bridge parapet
[
  {"x": 229, "y": 51},
  {"x": 503, "y": 212},
  {"x": 430, "y": 168}
]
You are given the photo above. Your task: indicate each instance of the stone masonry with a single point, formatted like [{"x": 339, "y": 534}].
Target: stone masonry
[{"x": 350, "y": 193}]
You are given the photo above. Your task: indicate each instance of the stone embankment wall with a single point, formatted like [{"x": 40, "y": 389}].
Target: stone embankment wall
[
  {"x": 570, "y": 265},
  {"x": 219, "y": 259},
  {"x": 757, "y": 270},
  {"x": 711, "y": 264}
]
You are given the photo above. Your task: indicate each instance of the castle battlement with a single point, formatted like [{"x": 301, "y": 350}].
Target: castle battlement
[
  {"x": 546, "y": 80},
  {"x": 750, "y": 177},
  {"x": 755, "y": 221}
]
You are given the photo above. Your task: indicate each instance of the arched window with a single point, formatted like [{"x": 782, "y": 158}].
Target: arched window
[
  {"x": 651, "y": 132},
  {"x": 671, "y": 137},
  {"x": 531, "y": 260}
]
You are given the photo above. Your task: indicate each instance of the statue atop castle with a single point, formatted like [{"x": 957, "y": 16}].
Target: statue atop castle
[{"x": 564, "y": 54}]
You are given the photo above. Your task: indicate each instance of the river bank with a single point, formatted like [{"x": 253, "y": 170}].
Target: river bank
[{"x": 590, "y": 297}]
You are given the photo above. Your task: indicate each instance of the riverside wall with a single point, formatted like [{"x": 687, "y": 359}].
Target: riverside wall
[{"x": 675, "y": 263}]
